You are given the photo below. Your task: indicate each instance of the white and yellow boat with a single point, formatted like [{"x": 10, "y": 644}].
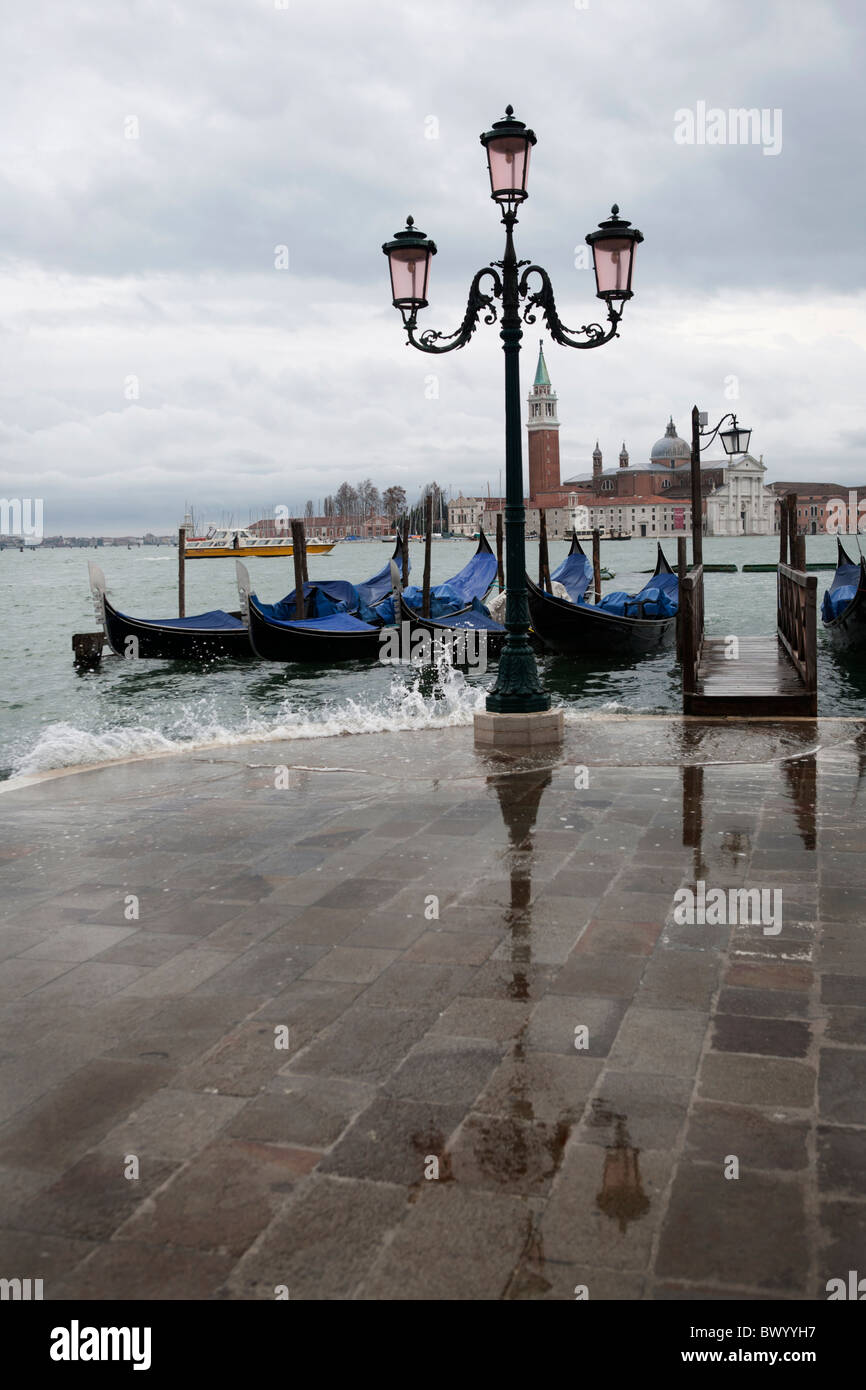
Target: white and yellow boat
[{"x": 237, "y": 543}]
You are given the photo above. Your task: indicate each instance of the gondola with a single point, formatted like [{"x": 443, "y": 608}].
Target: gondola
[
  {"x": 622, "y": 625},
  {"x": 457, "y": 607},
  {"x": 214, "y": 636},
  {"x": 220, "y": 635},
  {"x": 473, "y": 618},
  {"x": 329, "y": 639},
  {"x": 843, "y": 610}
]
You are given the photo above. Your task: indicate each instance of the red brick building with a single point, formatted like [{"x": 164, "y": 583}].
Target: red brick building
[{"x": 812, "y": 503}]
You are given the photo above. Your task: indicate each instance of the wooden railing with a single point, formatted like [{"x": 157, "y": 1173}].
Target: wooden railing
[
  {"x": 797, "y": 624},
  {"x": 691, "y": 626}
]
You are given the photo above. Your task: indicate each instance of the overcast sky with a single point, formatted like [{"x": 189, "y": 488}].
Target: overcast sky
[{"x": 153, "y": 156}]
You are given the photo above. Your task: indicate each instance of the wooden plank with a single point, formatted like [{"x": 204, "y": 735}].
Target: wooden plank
[{"x": 761, "y": 681}]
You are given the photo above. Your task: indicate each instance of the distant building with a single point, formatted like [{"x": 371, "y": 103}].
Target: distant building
[
  {"x": 326, "y": 528},
  {"x": 812, "y": 503},
  {"x": 646, "y": 499},
  {"x": 742, "y": 504},
  {"x": 464, "y": 514}
]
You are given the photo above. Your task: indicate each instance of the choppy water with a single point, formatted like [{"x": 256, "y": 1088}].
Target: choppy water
[{"x": 51, "y": 716}]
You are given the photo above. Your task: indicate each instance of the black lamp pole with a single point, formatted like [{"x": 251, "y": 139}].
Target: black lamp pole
[
  {"x": 518, "y": 688},
  {"x": 734, "y": 441}
]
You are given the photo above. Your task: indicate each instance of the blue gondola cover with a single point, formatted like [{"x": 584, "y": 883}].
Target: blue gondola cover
[
  {"x": 841, "y": 592},
  {"x": 657, "y": 599},
  {"x": 215, "y": 621},
  {"x": 575, "y": 574},
  {"x": 335, "y": 622},
  {"x": 475, "y": 619},
  {"x": 320, "y": 601}
]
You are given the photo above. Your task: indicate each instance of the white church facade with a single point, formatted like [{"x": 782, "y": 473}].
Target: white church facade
[{"x": 742, "y": 505}]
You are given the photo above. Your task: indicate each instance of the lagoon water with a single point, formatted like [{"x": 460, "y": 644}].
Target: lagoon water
[{"x": 52, "y": 717}]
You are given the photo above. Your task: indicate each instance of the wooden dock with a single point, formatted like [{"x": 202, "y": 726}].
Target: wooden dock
[{"x": 752, "y": 677}]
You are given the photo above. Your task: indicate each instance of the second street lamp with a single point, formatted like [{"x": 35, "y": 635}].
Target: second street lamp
[
  {"x": 508, "y": 145},
  {"x": 735, "y": 440}
]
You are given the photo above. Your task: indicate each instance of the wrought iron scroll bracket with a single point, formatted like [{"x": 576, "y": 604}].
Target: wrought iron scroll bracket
[
  {"x": 709, "y": 435},
  {"x": 478, "y": 304},
  {"x": 542, "y": 300}
]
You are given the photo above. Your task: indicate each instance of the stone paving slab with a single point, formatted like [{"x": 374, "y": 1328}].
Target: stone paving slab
[{"x": 432, "y": 1023}]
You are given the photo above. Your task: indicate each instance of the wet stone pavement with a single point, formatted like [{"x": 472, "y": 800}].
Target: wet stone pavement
[{"x": 385, "y": 1017}]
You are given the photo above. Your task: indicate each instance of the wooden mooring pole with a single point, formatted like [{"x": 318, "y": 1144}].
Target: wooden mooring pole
[
  {"x": 303, "y": 533},
  {"x": 783, "y": 531},
  {"x": 298, "y": 557},
  {"x": 181, "y": 572},
  {"x": 697, "y": 497},
  {"x": 428, "y": 545},
  {"x": 87, "y": 647},
  {"x": 404, "y": 557},
  {"x": 791, "y": 504},
  {"x": 543, "y": 560},
  {"x": 682, "y": 566},
  {"x": 596, "y": 562},
  {"x": 801, "y": 553}
]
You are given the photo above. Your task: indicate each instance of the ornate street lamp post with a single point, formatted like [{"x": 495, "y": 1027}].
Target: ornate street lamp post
[
  {"x": 508, "y": 144},
  {"x": 735, "y": 440}
]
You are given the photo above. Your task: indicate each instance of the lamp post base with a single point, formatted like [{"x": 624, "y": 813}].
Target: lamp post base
[{"x": 519, "y": 731}]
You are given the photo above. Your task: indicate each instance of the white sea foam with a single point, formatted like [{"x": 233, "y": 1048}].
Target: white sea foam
[{"x": 405, "y": 706}]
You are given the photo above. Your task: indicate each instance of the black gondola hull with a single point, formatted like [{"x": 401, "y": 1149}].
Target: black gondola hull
[
  {"x": 271, "y": 642},
  {"x": 128, "y": 637},
  {"x": 848, "y": 632},
  {"x": 582, "y": 630}
]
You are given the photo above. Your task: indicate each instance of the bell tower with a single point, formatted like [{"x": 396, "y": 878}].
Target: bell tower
[{"x": 542, "y": 427}]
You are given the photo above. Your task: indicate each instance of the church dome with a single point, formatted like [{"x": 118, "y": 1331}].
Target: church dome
[{"x": 670, "y": 446}]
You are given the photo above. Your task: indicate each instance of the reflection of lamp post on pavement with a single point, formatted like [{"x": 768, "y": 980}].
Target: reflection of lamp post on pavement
[
  {"x": 622, "y": 1197},
  {"x": 518, "y": 689}
]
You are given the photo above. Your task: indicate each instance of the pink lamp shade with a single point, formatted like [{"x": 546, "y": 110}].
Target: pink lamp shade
[
  {"x": 508, "y": 144},
  {"x": 613, "y": 247},
  {"x": 409, "y": 255}
]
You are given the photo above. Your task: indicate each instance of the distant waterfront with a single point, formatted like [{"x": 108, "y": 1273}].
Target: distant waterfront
[{"x": 52, "y": 717}]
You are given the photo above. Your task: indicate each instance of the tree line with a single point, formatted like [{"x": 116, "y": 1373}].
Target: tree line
[{"x": 360, "y": 502}]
